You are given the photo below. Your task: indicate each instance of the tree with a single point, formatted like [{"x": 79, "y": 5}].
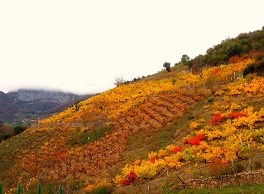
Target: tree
[
  {"x": 233, "y": 49},
  {"x": 185, "y": 58},
  {"x": 167, "y": 66},
  {"x": 119, "y": 81},
  {"x": 19, "y": 129}
]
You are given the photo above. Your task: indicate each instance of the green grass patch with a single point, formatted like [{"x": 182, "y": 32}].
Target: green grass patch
[
  {"x": 70, "y": 186},
  {"x": 247, "y": 188},
  {"x": 83, "y": 137}
]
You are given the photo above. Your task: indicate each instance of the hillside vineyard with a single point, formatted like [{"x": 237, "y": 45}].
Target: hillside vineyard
[{"x": 206, "y": 121}]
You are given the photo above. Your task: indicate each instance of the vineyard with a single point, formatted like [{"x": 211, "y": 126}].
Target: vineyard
[{"x": 87, "y": 142}]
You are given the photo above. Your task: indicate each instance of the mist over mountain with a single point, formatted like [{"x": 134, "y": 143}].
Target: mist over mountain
[{"x": 29, "y": 104}]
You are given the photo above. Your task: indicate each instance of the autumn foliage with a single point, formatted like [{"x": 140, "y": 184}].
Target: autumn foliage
[
  {"x": 147, "y": 107},
  {"x": 195, "y": 140},
  {"x": 217, "y": 118},
  {"x": 130, "y": 178}
]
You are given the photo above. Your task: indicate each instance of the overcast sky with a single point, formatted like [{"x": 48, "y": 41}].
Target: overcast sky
[{"x": 82, "y": 46}]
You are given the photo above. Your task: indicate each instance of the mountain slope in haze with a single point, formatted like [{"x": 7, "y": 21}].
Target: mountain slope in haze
[
  {"x": 27, "y": 105},
  {"x": 147, "y": 134}
]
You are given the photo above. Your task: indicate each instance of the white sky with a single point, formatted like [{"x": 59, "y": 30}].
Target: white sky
[{"x": 82, "y": 46}]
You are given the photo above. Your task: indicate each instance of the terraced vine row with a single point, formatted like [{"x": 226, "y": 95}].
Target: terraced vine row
[
  {"x": 233, "y": 133},
  {"x": 55, "y": 161}
]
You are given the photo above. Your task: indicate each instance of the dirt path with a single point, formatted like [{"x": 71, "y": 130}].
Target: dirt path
[{"x": 225, "y": 180}]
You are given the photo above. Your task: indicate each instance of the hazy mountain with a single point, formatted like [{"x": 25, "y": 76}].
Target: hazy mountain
[{"x": 28, "y": 105}]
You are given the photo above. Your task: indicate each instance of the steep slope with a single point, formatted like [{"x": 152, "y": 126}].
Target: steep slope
[
  {"x": 88, "y": 140},
  {"x": 225, "y": 138}
]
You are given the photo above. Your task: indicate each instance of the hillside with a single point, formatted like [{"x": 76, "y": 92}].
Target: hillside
[
  {"x": 158, "y": 134},
  {"x": 27, "y": 105}
]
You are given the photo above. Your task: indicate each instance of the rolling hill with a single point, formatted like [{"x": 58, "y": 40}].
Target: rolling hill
[{"x": 173, "y": 130}]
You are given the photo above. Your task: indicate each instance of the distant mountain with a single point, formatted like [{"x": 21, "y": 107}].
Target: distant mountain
[{"x": 27, "y": 105}]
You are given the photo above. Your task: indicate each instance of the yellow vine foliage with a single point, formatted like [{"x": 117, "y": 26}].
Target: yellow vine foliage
[
  {"x": 235, "y": 137},
  {"x": 254, "y": 87}
]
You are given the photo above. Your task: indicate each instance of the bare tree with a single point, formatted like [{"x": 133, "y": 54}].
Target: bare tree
[{"x": 119, "y": 81}]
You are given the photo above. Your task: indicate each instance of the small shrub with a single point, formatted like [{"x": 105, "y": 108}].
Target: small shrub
[
  {"x": 218, "y": 168},
  {"x": 76, "y": 185},
  {"x": 238, "y": 167},
  {"x": 197, "y": 173},
  {"x": 76, "y": 106},
  {"x": 195, "y": 140},
  {"x": 175, "y": 149},
  {"x": 131, "y": 177},
  {"x": 19, "y": 129},
  {"x": 257, "y": 165},
  {"x": 249, "y": 69},
  {"x": 194, "y": 125},
  {"x": 48, "y": 188},
  {"x": 244, "y": 153},
  {"x": 4, "y": 136},
  {"x": 234, "y": 115}
]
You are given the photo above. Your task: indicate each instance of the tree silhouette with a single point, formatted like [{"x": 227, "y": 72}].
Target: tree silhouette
[
  {"x": 185, "y": 58},
  {"x": 167, "y": 66}
]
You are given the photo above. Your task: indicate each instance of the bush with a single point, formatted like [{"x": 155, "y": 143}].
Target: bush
[
  {"x": 238, "y": 168},
  {"x": 19, "y": 129},
  {"x": 4, "y": 136},
  {"x": 76, "y": 185},
  {"x": 249, "y": 69},
  {"x": 218, "y": 168},
  {"x": 257, "y": 67},
  {"x": 257, "y": 165}
]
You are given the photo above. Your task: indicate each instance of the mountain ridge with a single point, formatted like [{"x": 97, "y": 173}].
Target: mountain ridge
[{"x": 30, "y": 104}]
